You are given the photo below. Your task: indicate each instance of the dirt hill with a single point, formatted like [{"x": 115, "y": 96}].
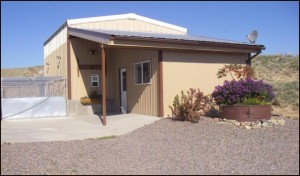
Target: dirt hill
[
  {"x": 282, "y": 72},
  {"x": 23, "y": 72}
]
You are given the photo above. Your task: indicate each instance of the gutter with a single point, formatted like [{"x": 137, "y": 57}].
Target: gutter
[
  {"x": 248, "y": 61},
  {"x": 192, "y": 42}
]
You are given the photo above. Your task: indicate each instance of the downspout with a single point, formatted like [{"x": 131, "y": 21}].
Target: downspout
[{"x": 248, "y": 61}]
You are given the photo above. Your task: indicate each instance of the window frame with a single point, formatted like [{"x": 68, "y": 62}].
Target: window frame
[
  {"x": 142, "y": 72},
  {"x": 98, "y": 80}
]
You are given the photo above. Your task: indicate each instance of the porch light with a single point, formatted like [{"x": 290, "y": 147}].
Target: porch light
[{"x": 93, "y": 52}]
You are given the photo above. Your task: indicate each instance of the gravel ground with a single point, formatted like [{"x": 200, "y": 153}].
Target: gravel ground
[{"x": 165, "y": 147}]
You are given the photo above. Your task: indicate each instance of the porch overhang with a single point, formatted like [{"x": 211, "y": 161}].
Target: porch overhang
[
  {"x": 90, "y": 35},
  {"x": 163, "y": 41}
]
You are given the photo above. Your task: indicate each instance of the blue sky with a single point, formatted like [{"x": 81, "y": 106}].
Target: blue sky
[{"x": 25, "y": 26}]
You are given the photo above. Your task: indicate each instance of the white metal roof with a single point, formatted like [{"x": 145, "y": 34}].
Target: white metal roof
[{"x": 126, "y": 16}]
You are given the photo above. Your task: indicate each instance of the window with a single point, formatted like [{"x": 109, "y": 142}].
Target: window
[
  {"x": 124, "y": 87},
  {"x": 95, "y": 80},
  {"x": 142, "y": 73}
]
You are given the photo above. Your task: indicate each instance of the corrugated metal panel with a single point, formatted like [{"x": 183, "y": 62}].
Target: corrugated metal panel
[
  {"x": 81, "y": 79},
  {"x": 185, "y": 70},
  {"x": 33, "y": 107},
  {"x": 127, "y": 25},
  {"x": 149, "y": 35},
  {"x": 58, "y": 40},
  {"x": 55, "y": 64},
  {"x": 142, "y": 99},
  {"x": 131, "y": 21}
]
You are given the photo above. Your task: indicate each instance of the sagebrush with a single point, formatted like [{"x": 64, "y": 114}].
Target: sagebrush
[{"x": 190, "y": 107}]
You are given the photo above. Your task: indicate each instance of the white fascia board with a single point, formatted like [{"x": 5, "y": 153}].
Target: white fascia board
[{"x": 126, "y": 16}]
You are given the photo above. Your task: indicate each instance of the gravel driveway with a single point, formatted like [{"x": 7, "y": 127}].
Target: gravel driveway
[{"x": 165, "y": 147}]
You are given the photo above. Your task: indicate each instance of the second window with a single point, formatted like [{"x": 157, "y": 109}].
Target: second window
[{"x": 142, "y": 72}]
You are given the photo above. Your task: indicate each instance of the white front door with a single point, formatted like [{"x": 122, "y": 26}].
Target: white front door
[{"x": 123, "y": 91}]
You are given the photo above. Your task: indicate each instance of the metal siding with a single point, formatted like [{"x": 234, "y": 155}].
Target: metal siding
[
  {"x": 58, "y": 40},
  {"x": 184, "y": 70},
  {"x": 81, "y": 85},
  {"x": 142, "y": 99},
  {"x": 57, "y": 46},
  {"x": 127, "y": 25},
  {"x": 53, "y": 62}
]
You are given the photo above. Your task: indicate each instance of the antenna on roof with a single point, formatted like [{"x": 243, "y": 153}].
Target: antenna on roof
[{"x": 252, "y": 36}]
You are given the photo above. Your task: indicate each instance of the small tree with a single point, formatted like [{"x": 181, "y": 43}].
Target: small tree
[
  {"x": 189, "y": 107},
  {"x": 237, "y": 70}
]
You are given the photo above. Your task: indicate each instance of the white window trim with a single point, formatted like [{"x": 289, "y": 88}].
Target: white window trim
[
  {"x": 97, "y": 76},
  {"x": 142, "y": 73}
]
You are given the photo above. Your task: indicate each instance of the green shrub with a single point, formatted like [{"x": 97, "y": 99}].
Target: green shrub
[
  {"x": 254, "y": 101},
  {"x": 189, "y": 107}
]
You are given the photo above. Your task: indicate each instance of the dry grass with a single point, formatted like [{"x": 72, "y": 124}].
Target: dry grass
[
  {"x": 23, "y": 72},
  {"x": 282, "y": 72}
]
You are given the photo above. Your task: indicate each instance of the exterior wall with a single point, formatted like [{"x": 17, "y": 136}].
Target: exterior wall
[
  {"x": 141, "y": 99},
  {"x": 184, "y": 70},
  {"x": 54, "y": 66},
  {"x": 127, "y": 25},
  {"x": 81, "y": 78},
  {"x": 56, "y": 47}
]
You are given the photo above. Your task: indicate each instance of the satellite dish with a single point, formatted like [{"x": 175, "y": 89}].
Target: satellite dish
[{"x": 252, "y": 36}]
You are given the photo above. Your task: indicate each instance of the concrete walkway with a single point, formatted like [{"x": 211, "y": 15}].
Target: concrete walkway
[{"x": 70, "y": 128}]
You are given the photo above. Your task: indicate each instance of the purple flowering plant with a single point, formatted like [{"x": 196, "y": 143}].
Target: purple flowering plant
[{"x": 246, "y": 91}]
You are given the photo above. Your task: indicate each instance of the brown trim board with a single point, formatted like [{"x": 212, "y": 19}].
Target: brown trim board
[
  {"x": 69, "y": 67},
  {"x": 160, "y": 84},
  {"x": 103, "y": 79}
]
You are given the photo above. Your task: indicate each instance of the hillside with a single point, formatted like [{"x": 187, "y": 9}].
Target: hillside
[
  {"x": 21, "y": 72},
  {"x": 282, "y": 72}
]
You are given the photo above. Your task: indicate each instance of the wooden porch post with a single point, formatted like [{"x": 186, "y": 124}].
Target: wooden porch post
[
  {"x": 103, "y": 83},
  {"x": 160, "y": 85}
]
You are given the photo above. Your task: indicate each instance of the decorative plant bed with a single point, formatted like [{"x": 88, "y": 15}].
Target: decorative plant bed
[{"x": 243, "y": 113}]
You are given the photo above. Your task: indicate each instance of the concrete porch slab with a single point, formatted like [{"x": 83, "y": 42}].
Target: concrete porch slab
[{"x": 70, "y": 128}]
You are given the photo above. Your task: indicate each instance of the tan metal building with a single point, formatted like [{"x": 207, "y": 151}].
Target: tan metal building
[{"x": 146, "y": 62}]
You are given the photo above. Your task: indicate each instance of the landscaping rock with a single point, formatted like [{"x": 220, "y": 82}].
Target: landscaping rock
[
  {"x": 274, "y": 121},
  {"x": 264, "y": 124},
  {"x": 257, "y": 124},
  {"x": 281, "y": 122},
  {"x": 248, "y": 127}
]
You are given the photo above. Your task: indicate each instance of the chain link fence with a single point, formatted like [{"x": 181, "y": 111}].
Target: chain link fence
[{"x": 25, "y": 87}]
